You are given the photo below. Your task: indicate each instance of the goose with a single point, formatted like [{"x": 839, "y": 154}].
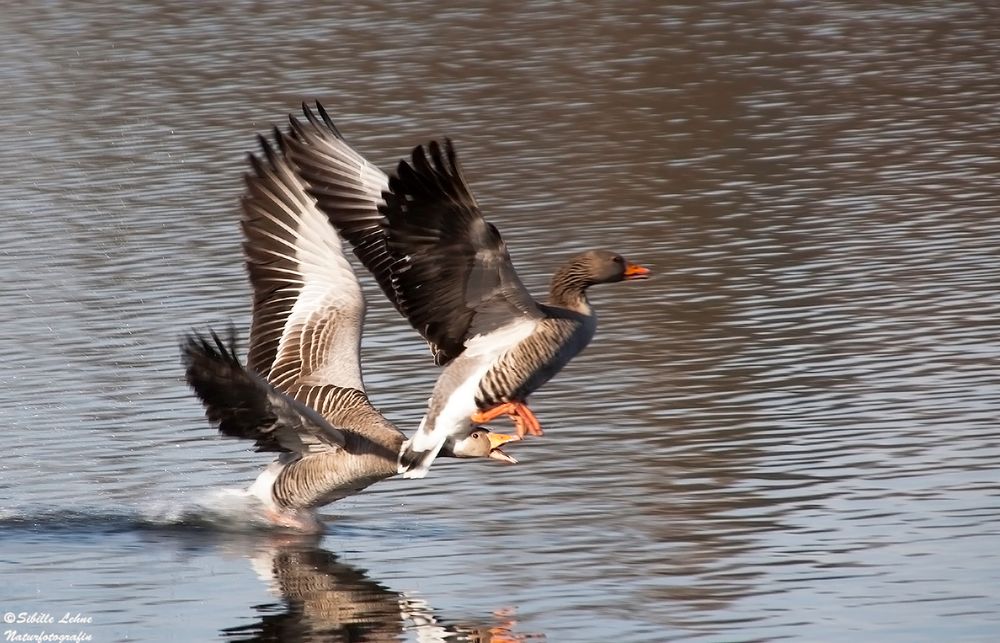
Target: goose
[
  {"x": 446, "y": 269},
  {"x": 301, "y": 392}
]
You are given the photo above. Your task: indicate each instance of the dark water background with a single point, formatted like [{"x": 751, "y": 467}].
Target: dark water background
[{"x": 792, "y": 432}]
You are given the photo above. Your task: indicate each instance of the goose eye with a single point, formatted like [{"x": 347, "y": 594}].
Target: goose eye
[
  {"x": 618, "y": 259},
  {"x": 475, "y": 435}
]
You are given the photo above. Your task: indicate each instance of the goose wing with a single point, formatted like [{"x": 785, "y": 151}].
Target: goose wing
[
  {"x": 244, "y": 405},
  {"x": 347, "y": 188},
  {"x": 455, "y": 276},
  {"x": 308, "y": 307},
  {"x": 442, "y": 265}
]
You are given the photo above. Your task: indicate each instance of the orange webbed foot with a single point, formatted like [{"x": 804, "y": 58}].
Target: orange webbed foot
[{"x": 524, "y": 420}]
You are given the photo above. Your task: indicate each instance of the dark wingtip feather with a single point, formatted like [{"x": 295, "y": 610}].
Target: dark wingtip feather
[
  {"x": 296, "y": 128},
  {"x": 435, "y": 151},
  {"x": 449, "y": 150},
  {"x": 329, "y": 121},
  {"x": 432, "y": 170},
  {"x": 197, "y": 349},
  {"x": 266, "y": 149},
  {"x": 279, "y": 140},
  {"x": 323, "y": 121},
  {"x": 256, "y": 165},
  {"x": 234, "y": 399},
  {"x": 310, "y": 116}
]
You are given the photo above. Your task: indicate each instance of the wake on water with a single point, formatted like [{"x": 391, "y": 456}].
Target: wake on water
[{"x": 226, "y": 510}]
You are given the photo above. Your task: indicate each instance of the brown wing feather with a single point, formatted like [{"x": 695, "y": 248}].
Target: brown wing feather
[
  {"x": 308, "y": 306},
  {"x": 420, "y": 234},
  {"x": 347, "y": 188}
]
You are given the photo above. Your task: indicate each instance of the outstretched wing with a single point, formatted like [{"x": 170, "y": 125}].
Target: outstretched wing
[
  {"x": 347, "y": 188},
  {"x": 439, "y": 262},
  {"x": 455, "y": 277},
  {"x": 308, "y": 307},
  {"x": 244, "y": 405}
]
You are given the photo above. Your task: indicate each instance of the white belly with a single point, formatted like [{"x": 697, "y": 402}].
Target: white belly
[
  {"x": 264, "y": 484},
  {"x": 454, "y": 398},
  {"x": 453, "y": 418}
]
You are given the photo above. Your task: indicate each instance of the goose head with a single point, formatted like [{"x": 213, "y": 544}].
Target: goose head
[
  {"x": 604, "y": 267},
  {"x": 480, "y": 443}
]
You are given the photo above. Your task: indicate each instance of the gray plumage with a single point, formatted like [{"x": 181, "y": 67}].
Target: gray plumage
[
  {"x": 320, "y": 462},
  {"x": 302, "y": 393},
  {"x": 305, "y": 334},
  {"x": 447, "y": 270},
  {"x": 534, "y": 361}
]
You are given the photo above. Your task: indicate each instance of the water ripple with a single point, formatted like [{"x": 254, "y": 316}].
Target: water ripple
[{"x": 789, "y": 433}]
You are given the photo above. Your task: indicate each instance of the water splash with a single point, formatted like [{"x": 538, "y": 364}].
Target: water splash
[
  {"x": 223, "y": 510},
  {"x": 219, "y": 509}
]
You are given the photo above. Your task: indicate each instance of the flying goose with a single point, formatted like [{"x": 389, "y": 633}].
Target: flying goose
[
  {"x": 302, "y": 394},
  {"x": 447, "y": 271}
]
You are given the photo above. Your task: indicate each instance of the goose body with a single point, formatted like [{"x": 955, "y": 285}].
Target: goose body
[
  {"x": 447, "y": 271},
  {"x": 301, "y": 394},
  {"x": 318, "y": 462}
]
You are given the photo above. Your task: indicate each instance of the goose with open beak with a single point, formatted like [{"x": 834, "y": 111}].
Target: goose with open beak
[{"x": 301, "y": 394}]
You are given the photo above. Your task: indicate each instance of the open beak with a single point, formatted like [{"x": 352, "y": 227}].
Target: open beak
[
  {"x": 496, "y": 441},
  {"x": 633, "y": 271}
]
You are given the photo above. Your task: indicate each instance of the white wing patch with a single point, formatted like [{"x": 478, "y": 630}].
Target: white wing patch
[
  {"x": 322, "y": 332},
  {"x": 305, "y": 285},
  {"x": 495, "y": 343}
]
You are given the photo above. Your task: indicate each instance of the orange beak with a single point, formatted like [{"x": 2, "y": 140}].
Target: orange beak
[
  {"x": 496, "y": 441},
  {"x": 632, "y": 271}
]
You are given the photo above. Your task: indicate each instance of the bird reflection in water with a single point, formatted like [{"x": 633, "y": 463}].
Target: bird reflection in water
[{"x": 324, "y": 600}]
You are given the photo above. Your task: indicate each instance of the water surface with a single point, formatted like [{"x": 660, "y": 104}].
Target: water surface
[{"x": 790, "y": 433}]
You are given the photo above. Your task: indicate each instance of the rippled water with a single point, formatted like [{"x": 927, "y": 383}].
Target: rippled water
[{"x": 790, "y": 433}]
